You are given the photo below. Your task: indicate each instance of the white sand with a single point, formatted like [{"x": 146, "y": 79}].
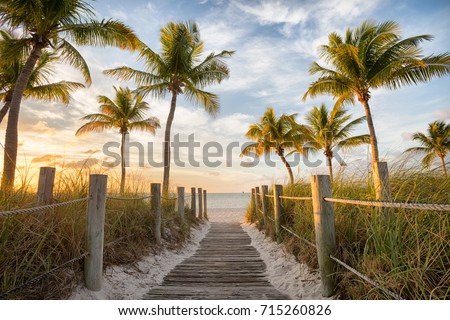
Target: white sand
[
  {"x": 283, "y": 271},
  {"x": 134, "y": 281}
]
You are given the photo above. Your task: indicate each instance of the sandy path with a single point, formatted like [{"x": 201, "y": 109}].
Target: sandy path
[
  {"x": 283, "y": 271},
  {"x": 134, "y": 281}
]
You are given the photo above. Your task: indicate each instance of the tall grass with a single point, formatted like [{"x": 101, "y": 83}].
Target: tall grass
[
  {"x": 31, "y": 244},
  {"x": 408, "y": 253}
]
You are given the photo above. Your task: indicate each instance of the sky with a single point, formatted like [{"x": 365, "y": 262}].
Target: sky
[{"x": 275, "y": 43}]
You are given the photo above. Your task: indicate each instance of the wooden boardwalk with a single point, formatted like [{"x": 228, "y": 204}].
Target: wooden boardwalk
[{"x": 225, "y": 266}]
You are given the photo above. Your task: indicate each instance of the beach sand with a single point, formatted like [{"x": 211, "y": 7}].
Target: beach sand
[{"x": 133, "y": 281}]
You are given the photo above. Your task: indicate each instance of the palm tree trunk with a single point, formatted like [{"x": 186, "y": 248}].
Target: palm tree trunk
[
  {"x": 6, "y": 106},
  {"x": 330, "y": 167},
  {"x": 381, "y": 193},
  {"x": 288, "y": 167},
  {"x": 122, "y": 151},
  {"x": 443, "y": 166},
  {"x": 373, "y": 137},
  {"x": 166, "y": 176},
  {"x": 11, "y": 137}
]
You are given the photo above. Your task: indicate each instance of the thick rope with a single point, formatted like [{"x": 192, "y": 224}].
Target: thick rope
[
  {"x": 169, "y": 199},
  {"x": 364, "y": 277},
  {"x": 127, "y": 199},
  {"x": 43, "y": 275},
  {"x": 41, "y": 208},
  {"x": 295, "y": 198},
  {"x": 297, "y": 236},
  {"x": 419, "y": 206}
]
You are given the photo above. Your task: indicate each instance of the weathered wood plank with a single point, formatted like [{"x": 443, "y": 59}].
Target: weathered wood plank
[{"x": 225, "y": 266}]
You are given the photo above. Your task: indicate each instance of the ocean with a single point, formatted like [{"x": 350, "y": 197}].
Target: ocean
[{"x": 227, "y": 200}]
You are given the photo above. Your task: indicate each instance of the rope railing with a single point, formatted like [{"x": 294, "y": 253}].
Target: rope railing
[
  {"x": 169, "y": 199},
  {"x": 296, "y": 198},
  {"x": 127, "y": 199},
  {"x": 418, "y": 206},
  {"x": 41, "y": 208},
  {"x": 364, "y": 277},
  {"x": 96, "y": 210},
  {"x": 324, "y": 224},
  {"x": 43, "y": 275},
  {"x": 299, "y": 237}
]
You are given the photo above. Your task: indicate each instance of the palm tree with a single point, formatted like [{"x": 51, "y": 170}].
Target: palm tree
[
  {"x": 332, "y": 129},
  {"x": 178, "y": 69},
  {"x": 436, "y": 142},
  {"x": 126, "y": 112},
  {"x": 38, "y": 86},
  {"x": 52, "y": 24},
  {"x": 273, "y": 134},
  {"x": 369, "y": 57}
]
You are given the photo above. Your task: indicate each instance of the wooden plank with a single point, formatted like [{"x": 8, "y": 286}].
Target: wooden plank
[{"x": 225, "y": 266}]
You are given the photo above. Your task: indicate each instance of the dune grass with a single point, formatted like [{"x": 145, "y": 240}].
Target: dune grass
[
  {"x": 31, "y": 244},
  {"x": 408, "y": 254}
]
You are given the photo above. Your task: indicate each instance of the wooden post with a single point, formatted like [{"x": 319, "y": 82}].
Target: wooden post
[
  {"x": 257, "y": 201},
  {"x": 278, "y": 210},
  {"x": 180, "y": 191},
  {"x": 252, "y": 204},
  {"x": 200, "y": 203},
  {"x": 45, "y": 184},
  {"x": 265, "y": 202},
  {"x": 193, "y": 208},
  {"x": 93, "y": 263},
  {"x": 205, "y": 210},
  {"x": 156, "y": 209},
  {"x": 325, "y": 232}
]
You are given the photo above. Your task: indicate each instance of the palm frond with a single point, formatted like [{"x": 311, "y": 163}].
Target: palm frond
[
  {"x": 71, "y": 56},
  {"x": 102, "y": 33},
  {"x": 58, "y": 92}
]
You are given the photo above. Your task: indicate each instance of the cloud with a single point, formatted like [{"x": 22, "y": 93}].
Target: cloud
[
  {"x": 406, "y": 136},
  {"x": 443, "y": 114},
  {"x": 46, "y": 158},
  {"x": 271, "y": 12},
  {"x": 85, "y": 163},
  {"x": 43, "y": 128},
  {"x": 91, "y": 151}
]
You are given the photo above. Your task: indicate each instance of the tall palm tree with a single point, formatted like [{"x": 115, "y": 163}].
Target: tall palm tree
[
  {"x": 52, "y": 24},
  {"x": 38, "y": 86},
  {"x": 178, "y": 69},
  {"x": 331, "y": 129},
  {"x": 126, "y": 112},
  {"x": 276, "y": 134},
  {"x": 436, "y": 142},
  {"x": 369, "y": 57}
]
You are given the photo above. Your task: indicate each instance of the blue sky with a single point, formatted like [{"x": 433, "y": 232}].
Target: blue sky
[{"x": 275, "y": 42}]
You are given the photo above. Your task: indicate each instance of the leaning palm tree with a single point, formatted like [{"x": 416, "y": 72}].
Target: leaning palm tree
[
  {"x": 436, "y": 142},
  {"x": 52, "y": 24},
  {"x": 332, "y": 129},
  {"x": 276, "y": 134},
  {"x": 126, "y": 112},
  {"x": 369, "y": 57},
  {"x": 178, "y": 69},
  {"x": 39, "y": 86}
]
